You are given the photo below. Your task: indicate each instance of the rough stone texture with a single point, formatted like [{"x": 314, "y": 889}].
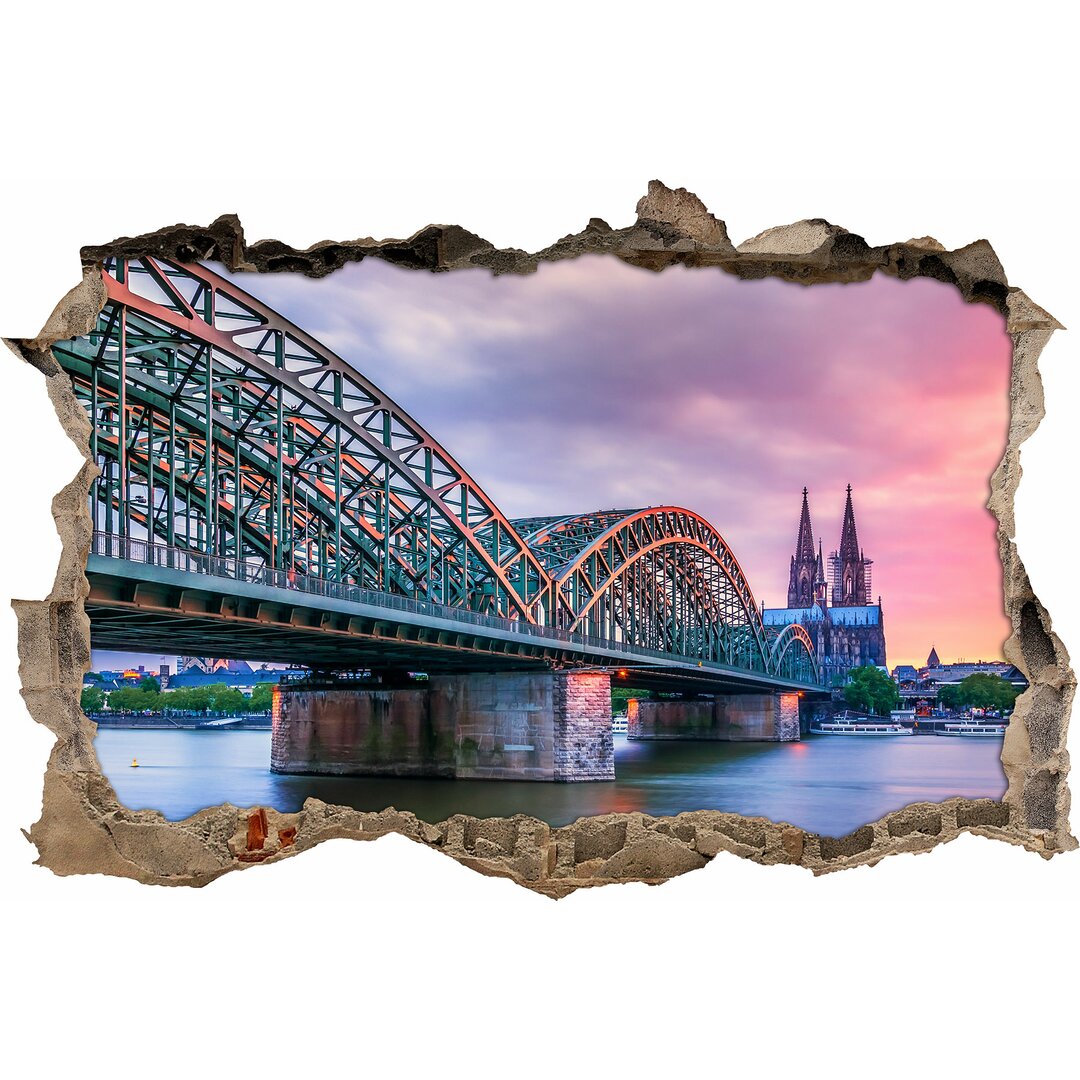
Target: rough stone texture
[
  {"x": 929, "y": 824},
  {"x": 83, "y": 829},
  {"x": 507, "y": 726},
  {"x": 361, "y": 732},
  {"x": 722, "y": 718},
  {"x": 853, "y": 844},
  {"x": 501, "y": 726},
  {"x": 584, "y": 746},
  {"x": 786, "y": 717}
]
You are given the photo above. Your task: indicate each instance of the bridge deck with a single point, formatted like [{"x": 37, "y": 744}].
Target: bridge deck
[{"x": 202, "y": 606}]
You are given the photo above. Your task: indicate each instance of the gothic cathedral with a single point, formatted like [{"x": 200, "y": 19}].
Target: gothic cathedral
[{"x": 834, "y": 604}]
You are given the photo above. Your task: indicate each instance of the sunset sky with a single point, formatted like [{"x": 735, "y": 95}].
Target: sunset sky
[{"x": 593, "y": 384}]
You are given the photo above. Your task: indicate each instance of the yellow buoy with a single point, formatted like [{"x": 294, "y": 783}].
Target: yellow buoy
[{"x": 134, "y": 763}]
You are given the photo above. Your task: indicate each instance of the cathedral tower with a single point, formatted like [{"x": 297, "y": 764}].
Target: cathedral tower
[
  {"x": 850, "y": 569},
  {"x": 834, "y": 606},
  {"x": 802, "y": 583}
]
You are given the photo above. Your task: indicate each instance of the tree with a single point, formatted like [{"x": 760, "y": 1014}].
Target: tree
[
  {"x": 92, "y": 699},
  {"x": 224, "y": 699},
  {"x": 871, "y": 690},
  {"x": 261, "y": 697},
  {"x": 949, "y": 696},
  {"x": 979, "y": 691},
  {"x": 187, "y": 699},
  {"x": 150, "y": 682},
  {"x": 131, "y": 699}
]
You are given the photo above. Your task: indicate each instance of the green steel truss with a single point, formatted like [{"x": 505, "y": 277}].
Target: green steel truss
[
  {"x": 662, "y": 578},
  {"x": 222, "y": 429}
]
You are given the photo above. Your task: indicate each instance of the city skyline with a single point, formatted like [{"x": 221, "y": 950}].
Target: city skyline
[{"x": 592, "y": 384}]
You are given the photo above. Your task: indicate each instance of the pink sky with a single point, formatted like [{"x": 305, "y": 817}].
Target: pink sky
[{"x": 592, "y": 384}]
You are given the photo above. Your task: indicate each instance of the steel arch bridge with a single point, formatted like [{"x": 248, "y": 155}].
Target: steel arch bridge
[
  {"x": 232, "y": 443},
  {"x": 662, "y": 578}
]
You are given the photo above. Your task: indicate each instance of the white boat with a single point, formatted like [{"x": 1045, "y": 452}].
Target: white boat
[
  {"x": 619, "y": 725},
  {"x": 846, "y": 724},
  {"x": 972, "y": 729}
]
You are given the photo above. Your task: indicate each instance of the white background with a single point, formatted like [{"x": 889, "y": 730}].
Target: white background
[{"x": 387, "y": 959}]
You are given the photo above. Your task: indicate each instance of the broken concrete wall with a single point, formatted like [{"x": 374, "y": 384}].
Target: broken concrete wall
[{"x": 83, "y": 828}]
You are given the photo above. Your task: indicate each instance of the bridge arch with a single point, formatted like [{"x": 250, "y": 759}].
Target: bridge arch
[
  {"x": 222, "y": 428},
  {"x": 792, "y": 655},
  {"x": 662, "y": 578}
]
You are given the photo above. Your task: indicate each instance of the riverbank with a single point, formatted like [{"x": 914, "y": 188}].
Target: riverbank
[{"x": 137, "y": 722}]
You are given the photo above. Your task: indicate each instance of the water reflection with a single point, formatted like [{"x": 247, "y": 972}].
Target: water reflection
[{"x": 824, "y": 784}]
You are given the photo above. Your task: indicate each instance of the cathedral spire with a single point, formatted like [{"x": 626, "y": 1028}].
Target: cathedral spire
[
  {"x": 849, "y": 540},
  {"x": 804, "y": 562},
  {"x": 804, "y": 547},
  {"x": 853, "y": 564}
]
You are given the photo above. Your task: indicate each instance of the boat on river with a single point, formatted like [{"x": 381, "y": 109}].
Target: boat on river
[
  {"x": 619, "y": 725},
  {"x": 972, "y": 729},
  {"x": 852, "y": 724}
]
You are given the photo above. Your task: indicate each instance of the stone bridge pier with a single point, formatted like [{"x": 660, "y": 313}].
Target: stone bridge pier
[
  {"x": 770, "y": 717},
  {"x": 553, "y": 726}
]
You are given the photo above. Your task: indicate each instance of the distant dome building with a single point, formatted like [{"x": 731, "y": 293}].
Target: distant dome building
[{"x": 847, "y": 629}]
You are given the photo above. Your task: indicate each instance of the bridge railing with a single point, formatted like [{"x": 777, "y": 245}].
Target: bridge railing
[
  {"x": 195, "y": 562},
  {"x": 132, "y": 549}
]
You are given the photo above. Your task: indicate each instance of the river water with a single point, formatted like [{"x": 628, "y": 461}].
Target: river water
[{"x": 824, "y": 784}]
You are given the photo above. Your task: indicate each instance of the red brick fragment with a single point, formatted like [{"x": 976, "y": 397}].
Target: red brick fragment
[{"x": 258, "y": 830}]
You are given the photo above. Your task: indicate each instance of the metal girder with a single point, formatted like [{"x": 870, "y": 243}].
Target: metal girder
[
  {"x": 223, "y": 428},
  {"x": 232, "y": 443},
  {"x": 660, "y": 577},
  {"x": 162, "y": 608},
  {"x": 792, "y": 656}
]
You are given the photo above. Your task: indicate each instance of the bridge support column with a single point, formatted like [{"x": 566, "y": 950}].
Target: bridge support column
[
  {"x": 553, "y": 726},
  {"x": 723, "y": 717},
  {"x": 584, "y": 747}
]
